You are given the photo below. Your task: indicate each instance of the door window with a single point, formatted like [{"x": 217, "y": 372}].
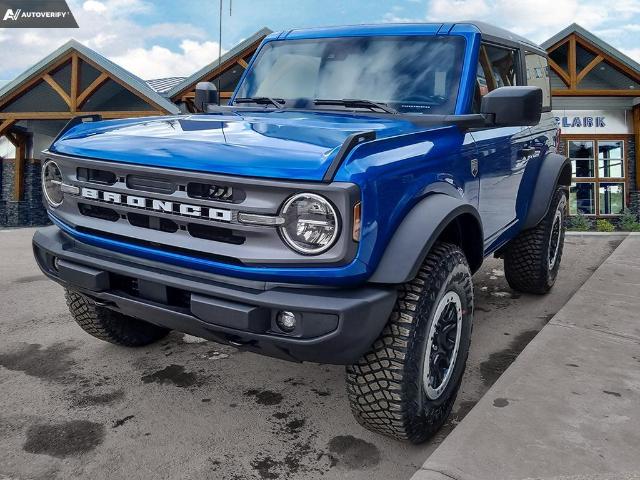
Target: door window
[{"x": 496, "y": 68}]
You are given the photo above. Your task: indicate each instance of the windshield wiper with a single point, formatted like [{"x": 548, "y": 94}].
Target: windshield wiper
[
  {"x": 355, "y": 103},
  {"x": 277, "y": 102}
]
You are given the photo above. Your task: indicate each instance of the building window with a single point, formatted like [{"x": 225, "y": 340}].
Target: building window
[
  {"x": 598, "y": 168},
  {"x": 611, "y": 198},
  {"x": 582, "y": 198}
]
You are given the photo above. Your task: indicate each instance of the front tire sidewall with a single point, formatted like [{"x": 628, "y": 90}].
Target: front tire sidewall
[
  {"x": 561, "y": 209},
  {"x": 458, "y": 282}
]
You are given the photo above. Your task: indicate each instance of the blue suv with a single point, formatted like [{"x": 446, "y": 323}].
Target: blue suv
[{"x": 334, "y": 211}]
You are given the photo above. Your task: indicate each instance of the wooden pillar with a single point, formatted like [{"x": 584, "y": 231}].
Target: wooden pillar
[
  {"x": 573, "y": 76},
  {"x": 18, "y": 178},
  {"x": 636, "y": 130}
]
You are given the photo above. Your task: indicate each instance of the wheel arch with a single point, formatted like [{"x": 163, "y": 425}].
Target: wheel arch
[
  {"x": 555, "y": 171},
  {"x": 438, "y": 217}
]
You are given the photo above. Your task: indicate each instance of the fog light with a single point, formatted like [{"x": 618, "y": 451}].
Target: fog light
[
  {"x": 56, "y": 264},
  {"x": 286, "y": 321}
]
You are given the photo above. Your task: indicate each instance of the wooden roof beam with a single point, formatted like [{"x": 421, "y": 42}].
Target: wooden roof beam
[
  {"x": 6, "y": 125},
  {"x": 97, "y": 83},
  {"x": 564, "y": 76},
  {"x": 590, "y": 66},
  {"x": 594, "y": 93},
  {"x": 58, "y": 89}
]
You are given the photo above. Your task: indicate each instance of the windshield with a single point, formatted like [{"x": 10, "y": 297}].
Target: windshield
[{"x": 409, "y": 74}]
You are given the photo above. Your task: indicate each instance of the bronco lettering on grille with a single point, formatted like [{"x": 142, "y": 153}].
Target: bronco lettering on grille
[{"x": 166, "y": 206}]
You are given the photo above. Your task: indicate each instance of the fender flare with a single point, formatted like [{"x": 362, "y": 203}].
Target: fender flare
[
  {"x": 420, "y": 229},
  {"x": 555, "y": 170}
]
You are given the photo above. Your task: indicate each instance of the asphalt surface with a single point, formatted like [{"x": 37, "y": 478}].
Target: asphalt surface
[{"x": 74, "y": 407}]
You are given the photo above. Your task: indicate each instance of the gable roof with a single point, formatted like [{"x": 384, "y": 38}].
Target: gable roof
[
  {"x": 204, "y": 71},
  {"x": 596, "y": 41},
  {"x": 163, "y": 85},
  {"x": 117, "y": 71}
]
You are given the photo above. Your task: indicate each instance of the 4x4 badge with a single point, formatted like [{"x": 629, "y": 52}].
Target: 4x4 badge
[{"x": 474, "y": 167}]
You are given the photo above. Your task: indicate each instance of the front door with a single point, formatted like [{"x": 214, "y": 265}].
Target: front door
[{"x": 503, "y": 153}]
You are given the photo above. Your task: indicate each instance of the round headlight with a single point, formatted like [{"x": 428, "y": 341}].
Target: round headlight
[
  {"x": 52, "y": 183},
  {"x": 310, "y": 223}
]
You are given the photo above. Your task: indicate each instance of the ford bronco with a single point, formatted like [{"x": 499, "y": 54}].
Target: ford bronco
[{"x": 334, "y": 211}]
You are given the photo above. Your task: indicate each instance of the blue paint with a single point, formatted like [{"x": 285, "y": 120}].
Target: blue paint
[{"x": 395, "y": 171}]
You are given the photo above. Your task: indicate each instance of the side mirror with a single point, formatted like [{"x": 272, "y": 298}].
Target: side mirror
[
  {"x": 206, "y": 94},
  {"x": 513, "y": 106}
]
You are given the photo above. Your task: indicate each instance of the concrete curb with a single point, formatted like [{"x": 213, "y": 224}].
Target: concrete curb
[
  {"x": 599, "y": 234},
  {"x": 568, "y": 407}
]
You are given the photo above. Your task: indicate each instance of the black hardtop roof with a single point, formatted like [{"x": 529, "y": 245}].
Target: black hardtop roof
[{"x": 500, "y": 35}]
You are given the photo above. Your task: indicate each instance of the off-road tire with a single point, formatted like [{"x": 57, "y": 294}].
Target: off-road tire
[
  {"x": 527, "y": 257},
  {"x": 111, "y": 326},
  {"x": 386, "y": 388}
]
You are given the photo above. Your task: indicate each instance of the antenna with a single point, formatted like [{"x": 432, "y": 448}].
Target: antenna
[{"x": 220, "y": 49}]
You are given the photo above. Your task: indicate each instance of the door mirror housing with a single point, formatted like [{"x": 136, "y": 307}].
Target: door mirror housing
[
  {"x": 513, "y": 106},
  {"x": 206, "y": 94}
]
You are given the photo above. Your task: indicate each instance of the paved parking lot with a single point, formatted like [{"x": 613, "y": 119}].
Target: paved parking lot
[{"x": 74, "y": 407}]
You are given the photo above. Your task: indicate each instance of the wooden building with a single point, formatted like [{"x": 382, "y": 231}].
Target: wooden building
[{"x": 596, "y": 100}]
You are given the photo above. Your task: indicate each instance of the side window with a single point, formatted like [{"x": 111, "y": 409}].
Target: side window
[
  {"x": 496, "y": 68},
  {"x": 538, "y": 75}
]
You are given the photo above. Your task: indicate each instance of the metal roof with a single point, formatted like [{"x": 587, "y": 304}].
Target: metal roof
[
  {"x": 213, "y": 65},
  {"x": 117, "y": 71},
  {"x": 163, "y": 85},
  {"x": 598, "y": 42}
]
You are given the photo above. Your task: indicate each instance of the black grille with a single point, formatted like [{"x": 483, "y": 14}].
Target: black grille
[
  {"x": 96, "y": 211},
  {"x": 210, "y": 191},
  {"x": 216, "y": 234},
  {"x": 151, "y": 222},
  {"x": 148, "y": 184},
  {"x": 92, "y": 175}
]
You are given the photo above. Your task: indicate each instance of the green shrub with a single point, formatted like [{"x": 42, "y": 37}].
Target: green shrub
[
  {"x": 629, "y": 222},
  {"x": 603, "y": 225},
  {"x": 579, "y": 223}
]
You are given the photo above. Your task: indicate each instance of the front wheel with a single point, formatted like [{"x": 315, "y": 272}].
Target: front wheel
[
  {"x": 405, "y": 386},
  {"x": 111, "y": 326},
  {"x": 532, "y": 259}
]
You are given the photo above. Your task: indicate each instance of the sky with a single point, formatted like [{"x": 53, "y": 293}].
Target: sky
[{"x": 164, "y": 38}]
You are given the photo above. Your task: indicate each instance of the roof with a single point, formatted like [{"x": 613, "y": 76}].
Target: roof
[
  {"x": 263, "y": 32},
  {"x": 428, "y": 28},
  {"x": 597, "y": 41},
  {"x": 117, "y": 71},
  {"x": 163, "y": 85},
  {"x": 488, "y": 29}
]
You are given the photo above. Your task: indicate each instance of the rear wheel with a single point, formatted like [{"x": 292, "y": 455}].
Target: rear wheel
[
  {"x": 405, "y": 386},
  {"x": 532, "y": 259},
  {"x": 111, "y": 326}
]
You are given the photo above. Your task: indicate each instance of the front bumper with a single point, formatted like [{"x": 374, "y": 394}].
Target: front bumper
[{"x": 333, "y": 325}]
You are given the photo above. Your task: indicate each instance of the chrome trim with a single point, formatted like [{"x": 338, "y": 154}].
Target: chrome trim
[
  {"x": 256, "y": 219},
  {"x": 70, "y": 189}
]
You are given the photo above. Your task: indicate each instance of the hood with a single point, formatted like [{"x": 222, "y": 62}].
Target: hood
[{"x": 291, "y": 145}]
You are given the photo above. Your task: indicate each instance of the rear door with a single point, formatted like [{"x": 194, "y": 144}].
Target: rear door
[{"x": 503, "y": 153}]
